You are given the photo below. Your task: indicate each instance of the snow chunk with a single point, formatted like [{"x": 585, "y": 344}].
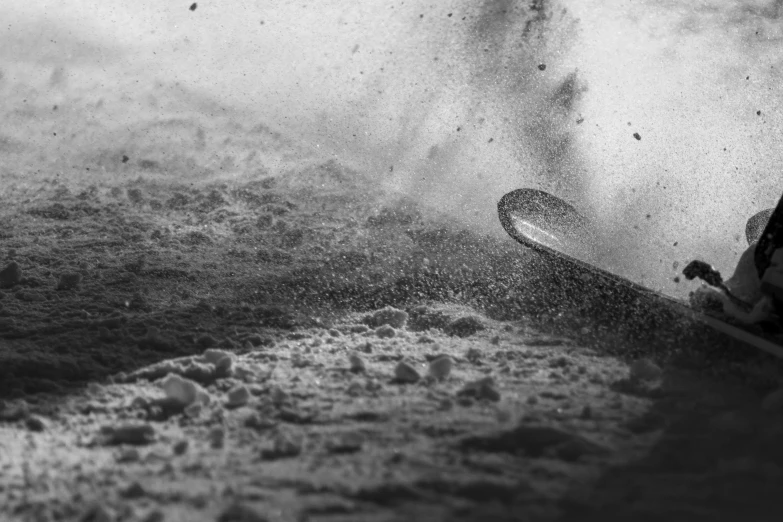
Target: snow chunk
[
  {"x": 35, "y": 423},
  {"x": 221, "y": 359},
  {"x": 385, "y": 331},
  {"x": 357, "y": 363},
  {"x": 214, "y": 356},
  {"x": 387, "y": 316},
  {"x": 465, "y": 326},
  {"x": 238, "y": 396},
  {"x": 211, "y": 365},
  {"x": 441, "y": 366},
  {"x": 183, "y": 391},
  {"x": 405, "y": 373}
]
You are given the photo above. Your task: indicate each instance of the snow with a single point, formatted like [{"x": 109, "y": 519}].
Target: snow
[
  {"x": 254, "y": 270},
  {"x": 183, "y": 391},
  {"x": 441, "y": 366}
]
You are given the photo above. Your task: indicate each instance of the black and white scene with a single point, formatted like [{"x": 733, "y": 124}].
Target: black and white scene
[{"x": 391, "y": 261}]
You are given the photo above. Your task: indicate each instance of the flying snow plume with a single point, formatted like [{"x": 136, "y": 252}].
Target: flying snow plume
[
  {"x": 681, "y": 138},
  {"x": 660, "y": 120}
]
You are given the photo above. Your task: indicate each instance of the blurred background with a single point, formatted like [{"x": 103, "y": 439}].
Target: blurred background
[{"x": 658, "y": 119}]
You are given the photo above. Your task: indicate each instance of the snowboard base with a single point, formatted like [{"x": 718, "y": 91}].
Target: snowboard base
[{"x": 525, "y": 215}]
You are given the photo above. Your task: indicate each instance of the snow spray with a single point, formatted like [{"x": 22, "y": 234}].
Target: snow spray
[{"x": 659, "y": 119}]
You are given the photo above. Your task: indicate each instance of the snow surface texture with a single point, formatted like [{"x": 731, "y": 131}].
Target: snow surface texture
[{"x": 228, "y": 292}]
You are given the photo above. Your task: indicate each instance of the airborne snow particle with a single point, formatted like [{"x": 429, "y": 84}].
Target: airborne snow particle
[
  {"x": 541, "y": 66},
  {"x": 193, "y": 6},
  {"x": 758, "y": 113},
  {"x": 637, "y": 136},
  {"x": 125, "y": 158}
]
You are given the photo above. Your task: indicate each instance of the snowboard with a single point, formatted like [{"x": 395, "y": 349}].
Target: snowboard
[{"x": 547, "y": 225}]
